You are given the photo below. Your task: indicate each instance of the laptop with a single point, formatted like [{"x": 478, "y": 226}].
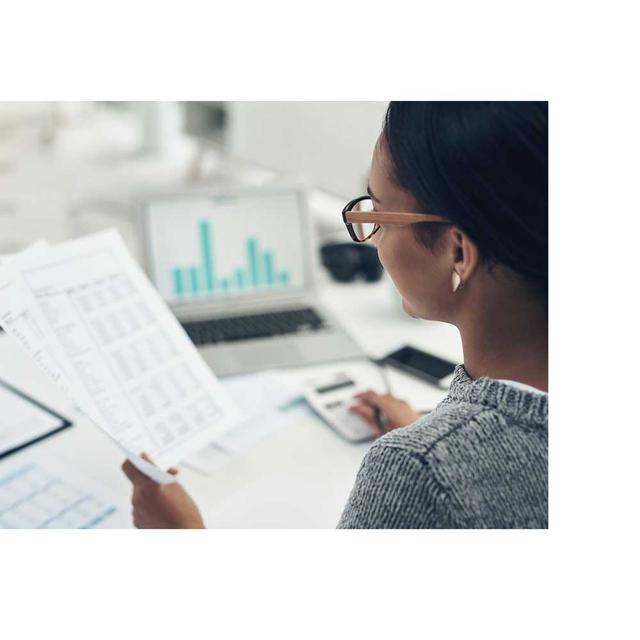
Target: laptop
[{"x": 237, "y": 268}]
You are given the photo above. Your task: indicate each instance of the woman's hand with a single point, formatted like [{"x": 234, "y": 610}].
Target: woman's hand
[
  {"x": 396, "y": 412},
  {"x": 161, "y": 506}
]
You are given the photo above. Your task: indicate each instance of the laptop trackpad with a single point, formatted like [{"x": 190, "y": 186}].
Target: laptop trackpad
[
  {"x": 277, "y": 351},
  {"x": 231, "y": 359}
]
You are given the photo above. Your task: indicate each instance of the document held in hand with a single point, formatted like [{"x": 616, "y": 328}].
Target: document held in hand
[{"x": 93, "y": 322}]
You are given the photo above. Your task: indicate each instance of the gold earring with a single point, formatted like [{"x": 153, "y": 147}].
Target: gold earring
[{"x": 456, "y": 281}]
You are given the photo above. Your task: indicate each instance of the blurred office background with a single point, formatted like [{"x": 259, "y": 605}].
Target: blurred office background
[
  {"x": 72, "y": 168},
  {"x": 69, "y": 169}
]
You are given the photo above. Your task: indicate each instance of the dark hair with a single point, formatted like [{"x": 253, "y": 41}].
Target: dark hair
[{"x": 484, "y": 166}]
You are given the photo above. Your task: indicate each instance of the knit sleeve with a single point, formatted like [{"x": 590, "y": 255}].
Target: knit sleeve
[{"x": 396, "y": 489}]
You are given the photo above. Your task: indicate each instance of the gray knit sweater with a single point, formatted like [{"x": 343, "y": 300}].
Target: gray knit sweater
[{"x": 478, "y": 460}]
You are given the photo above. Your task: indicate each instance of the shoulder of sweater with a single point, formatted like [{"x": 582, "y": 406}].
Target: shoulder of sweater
[{"x": 437, "y": 427}]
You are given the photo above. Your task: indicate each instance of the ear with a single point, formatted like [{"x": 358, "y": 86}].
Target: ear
[{"x": 464, "y": 254}]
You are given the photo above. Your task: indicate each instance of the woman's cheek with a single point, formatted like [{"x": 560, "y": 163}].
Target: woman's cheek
[
  {"x": 384, "y": 242},
  {"x": 404, "y": 261},
  {"x": 395, "y": 262}
]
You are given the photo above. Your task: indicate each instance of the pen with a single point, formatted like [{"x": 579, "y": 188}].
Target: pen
[{"x": 381, "y": 420}]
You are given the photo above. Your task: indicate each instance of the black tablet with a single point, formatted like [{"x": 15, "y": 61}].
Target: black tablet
[{"x": 24, "y": 420}]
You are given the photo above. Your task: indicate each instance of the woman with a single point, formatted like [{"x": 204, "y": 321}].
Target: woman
[{"x": 459, "y": 192}]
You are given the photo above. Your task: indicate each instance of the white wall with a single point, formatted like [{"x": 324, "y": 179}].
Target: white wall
[{"x": 327, "y": 143}]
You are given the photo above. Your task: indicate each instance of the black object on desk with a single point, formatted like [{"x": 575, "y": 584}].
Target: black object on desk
[
  {"x": 421, "y": 364},
  {"x": 347, "y": 261}
]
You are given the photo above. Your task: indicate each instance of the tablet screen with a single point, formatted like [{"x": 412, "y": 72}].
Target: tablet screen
[{"x": 24, "y": 420}]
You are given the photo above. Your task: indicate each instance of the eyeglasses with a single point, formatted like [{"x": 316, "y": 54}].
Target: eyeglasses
[{"x": 363, "y": 222}]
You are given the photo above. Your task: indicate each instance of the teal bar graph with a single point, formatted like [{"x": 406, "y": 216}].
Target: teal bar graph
[
  {"x": 239, "y": 279},
  {"x": 206, "y": 278},
  {"x": 252, "y": 251},
  {"x": 177, "y": 282},
  {"x": 268, "y": 268},
  {"x": 193, "y": 273},
  {"x": 205, "y": 242}
]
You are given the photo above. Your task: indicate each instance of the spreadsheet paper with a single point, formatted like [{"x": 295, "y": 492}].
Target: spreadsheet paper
[{"x": 90, "y": 318}]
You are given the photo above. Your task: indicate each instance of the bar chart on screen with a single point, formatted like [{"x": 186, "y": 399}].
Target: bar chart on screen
[
  {"x": 213, "y": 247},
  {"x": 259, "y": 269}
]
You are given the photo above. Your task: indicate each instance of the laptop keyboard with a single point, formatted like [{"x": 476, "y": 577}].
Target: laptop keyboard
[{"x": 261, "y": 325}]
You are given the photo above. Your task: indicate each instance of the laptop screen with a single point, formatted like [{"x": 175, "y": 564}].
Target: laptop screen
[{"x": 211, "y": 247}]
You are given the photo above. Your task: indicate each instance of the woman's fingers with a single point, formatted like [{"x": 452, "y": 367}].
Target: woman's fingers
[
  {"x": 173, "y": 471},
  {"x": 383, "y": 402},
  {"x": 368, "y": 415},
  {"x": 371, "y": 398},
  {"x": 132, "y": 472},
  {"x": 397, "y": 412},
  {"x": 363, "y": 394},
  {"x": 136, "y": 476}
]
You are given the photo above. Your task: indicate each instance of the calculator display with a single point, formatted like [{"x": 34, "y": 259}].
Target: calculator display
[{"x": 342, "y": 384}]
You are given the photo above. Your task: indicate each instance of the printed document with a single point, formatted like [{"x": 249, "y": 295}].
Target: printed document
[
  {"x": 92, "y": 321},
  {"x": 38, "y": 492}
]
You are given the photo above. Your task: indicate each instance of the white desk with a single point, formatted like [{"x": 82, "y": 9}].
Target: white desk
[{"x": 300, "y": 475}]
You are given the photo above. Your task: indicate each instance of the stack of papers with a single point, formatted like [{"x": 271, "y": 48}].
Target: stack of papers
[
  {"x": 92, "y": 321},
  {"x": 263, "y": 396},
  {"x": 270, "y": 399}
]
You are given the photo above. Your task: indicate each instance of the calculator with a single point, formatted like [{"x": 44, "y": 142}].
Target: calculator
[{"x": 331, "y": 399}]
